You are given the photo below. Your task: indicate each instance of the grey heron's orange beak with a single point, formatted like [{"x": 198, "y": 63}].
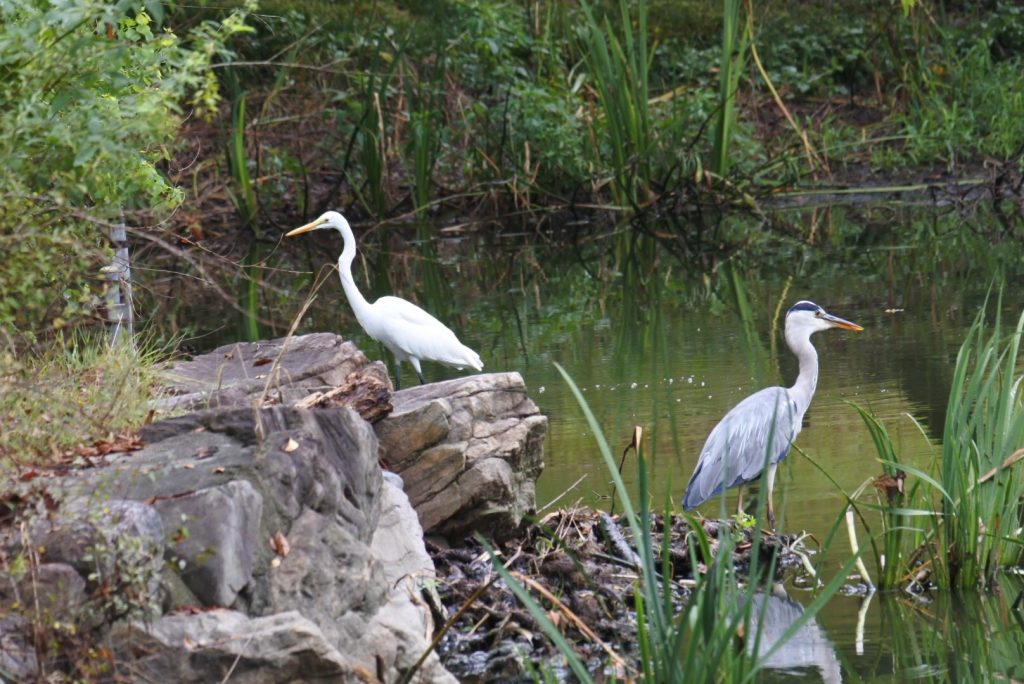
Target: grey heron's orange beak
[
  {"x": 306, "y": 228},
  {"x": 836, "y": 321}
]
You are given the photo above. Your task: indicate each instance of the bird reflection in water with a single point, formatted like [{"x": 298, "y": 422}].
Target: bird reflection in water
[{"x": 773, "y": 614}]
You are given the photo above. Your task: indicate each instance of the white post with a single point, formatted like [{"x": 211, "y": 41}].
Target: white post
[{"x": 119, "y": 289}]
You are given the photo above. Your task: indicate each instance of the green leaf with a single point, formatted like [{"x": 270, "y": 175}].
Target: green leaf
[{"x": 60, "y": 100}]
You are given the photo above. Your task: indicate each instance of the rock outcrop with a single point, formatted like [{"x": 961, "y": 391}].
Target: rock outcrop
[
  {"x": 226, "y": 645},
  {"x": 282, "y": 370},
  {"x": 258, "y": 540},
  {"x": 469, "y": 451},
  {"x": 207, "y": 496}
]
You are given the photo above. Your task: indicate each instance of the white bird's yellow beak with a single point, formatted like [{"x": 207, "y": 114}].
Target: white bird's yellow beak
[{"x": 306, "y": 228}]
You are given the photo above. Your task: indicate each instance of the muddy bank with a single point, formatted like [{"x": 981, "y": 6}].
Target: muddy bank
[{"x": 578, "y": 563}]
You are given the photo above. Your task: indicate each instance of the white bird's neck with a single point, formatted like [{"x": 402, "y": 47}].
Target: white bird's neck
[
  {"x": 807, "y": 380},
  {"x": 355, "y": 298}
]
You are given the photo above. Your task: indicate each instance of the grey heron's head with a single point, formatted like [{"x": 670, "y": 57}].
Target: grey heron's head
[
  {"x": 807, "y": 318},
  {"x": 329, "y": 219}
]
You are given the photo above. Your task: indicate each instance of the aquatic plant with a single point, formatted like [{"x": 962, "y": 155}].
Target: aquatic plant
[
  {"x": 956, "y": 637},
  {"x": 733, "y": 57},
  {"x": 423, "y": 144},
  {"x": 960, "y": 525},
  {"x": 905, "y": 508},
  {"x": 982, "y": 484},
  {"x": 620, "y": 67},
  {"x": 243, "y": 196}
]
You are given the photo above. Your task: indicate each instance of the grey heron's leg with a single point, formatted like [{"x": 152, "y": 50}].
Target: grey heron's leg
[
  {"x": 739, "y": 502},
  {"x": 771, "y": 486}
]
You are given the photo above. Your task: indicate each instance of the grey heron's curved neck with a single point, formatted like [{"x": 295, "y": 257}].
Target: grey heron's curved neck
[
  {"x": 348, "y": 282},
  {"x": 807, "y": 380}
]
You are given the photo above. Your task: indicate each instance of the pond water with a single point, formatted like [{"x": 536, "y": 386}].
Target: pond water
[
  {"x": 679, "y": 369},
  {"x": 671, "y": 347}
]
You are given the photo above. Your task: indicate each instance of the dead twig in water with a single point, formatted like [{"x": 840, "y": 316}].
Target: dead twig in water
[
  {"x": 638, "y": 435},
  {"x": 567, "y": 490}
]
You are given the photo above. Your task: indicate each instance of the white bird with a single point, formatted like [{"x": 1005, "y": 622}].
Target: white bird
[
  {"x": 408, "y": 331},
  {"x": 760, "y": 429}
]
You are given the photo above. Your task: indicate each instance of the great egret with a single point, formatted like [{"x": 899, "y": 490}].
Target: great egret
[
  {"x": 761, "y": 428},
  {"x": 408, "y": 331}
]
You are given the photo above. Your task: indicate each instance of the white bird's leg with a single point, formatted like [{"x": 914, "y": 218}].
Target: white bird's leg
[
  {"x": 398, "y": 375},
  {"x": 771, "y": 486},
  {"x": 416, "y": 364}
]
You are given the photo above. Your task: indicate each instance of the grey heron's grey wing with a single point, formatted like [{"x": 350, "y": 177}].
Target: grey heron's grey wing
[{"x": 763, "y": 424}]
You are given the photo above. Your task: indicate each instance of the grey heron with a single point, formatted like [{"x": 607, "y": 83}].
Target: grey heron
[
  {"x": 409, "y": 332},
  {"x": 761, "y": 428}
]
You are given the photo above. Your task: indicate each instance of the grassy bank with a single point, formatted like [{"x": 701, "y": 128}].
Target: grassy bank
[
  {"x": 74, "y": 401},
  {"x": 389, "y": 108}
]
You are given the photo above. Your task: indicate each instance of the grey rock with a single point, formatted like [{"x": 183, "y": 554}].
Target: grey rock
[
  {"x": 113, "y": 543},
  {"x": 283, "y": 370},
  {"x": 225, "y": 645},
  {"x": 327, "y": 576},
  {"x": 214, "y": 534},
  {"x": 174, "y": 593},
  {"x": 56, "y": 593},
  {"x": 398, "y": 540},
  {"x": 18, "y": 660},
  {"x": 51, "y": 592},
  {"x": 315, "y": 472},
  {"x": 402, "y": 629},
  {"x": 469, "y": 451},
  {"x": 413, "y": 427},
  {"x": 322, "y": 459}
]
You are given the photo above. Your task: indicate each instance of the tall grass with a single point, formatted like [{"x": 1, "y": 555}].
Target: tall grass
[
  {"x": 907, "y": 518},
  {"x": 243, "y": 195},
  {"x": 374, "y": 194},
  {"x": 983, "y": 488},
  {"x": 734, "y": 48},
  {"x": 960, "y": 525},
  {"x": 371, "y": 135},
  {"x": 244, "y": 198},
  {"x": 717, "y": 636},
  {"x": 78, "y": 391},
  {"x": 968, "y": 112},
  {"x": 423, "y": 144},
  {"x": 620, "y": 67}
]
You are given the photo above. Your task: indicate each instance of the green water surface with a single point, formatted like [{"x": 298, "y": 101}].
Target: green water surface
[{"x": 670, "y": 340}]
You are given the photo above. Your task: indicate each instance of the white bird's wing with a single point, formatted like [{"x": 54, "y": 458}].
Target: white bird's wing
[
  {"x": 409, "y": 331},
  {"x": 765, "y": 423},
  {"x": 396, "y": 308}
]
